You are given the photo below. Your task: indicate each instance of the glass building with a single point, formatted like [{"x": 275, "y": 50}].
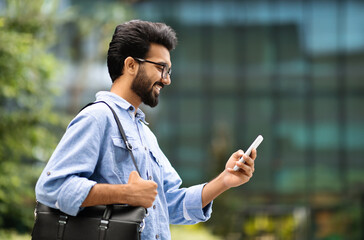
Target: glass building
[{"x": 289, "y": 70}]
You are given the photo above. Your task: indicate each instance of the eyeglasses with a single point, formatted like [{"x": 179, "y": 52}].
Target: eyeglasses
[{"x": 166, "y": 71}]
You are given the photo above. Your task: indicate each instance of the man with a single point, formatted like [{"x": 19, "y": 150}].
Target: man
[{"x": 91, "y": 165}]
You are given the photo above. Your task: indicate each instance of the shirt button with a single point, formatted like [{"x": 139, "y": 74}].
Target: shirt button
[
  {"x": 131, "y": 108},
  {"x": 157, "y": 236},
  {"x": 48, "y": 173},
  {"x": 146, "y": 149},
  {"x": 150, "y": 177},
  {"x": 154, "y": 206}
]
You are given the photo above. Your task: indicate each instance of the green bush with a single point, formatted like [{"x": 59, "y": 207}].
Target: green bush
[
  {"x": 26, "y": 91},
  {"x": 191, "y": 232}
]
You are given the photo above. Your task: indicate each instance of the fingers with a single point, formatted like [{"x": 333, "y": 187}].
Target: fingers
[
  {"x": 253, "y": 154},
  {"x": 238, "y": 154},
  {"x": 248, "y": 160},
  {"x": 245, "y": 168},
  {"x": 141, "y": 192}
]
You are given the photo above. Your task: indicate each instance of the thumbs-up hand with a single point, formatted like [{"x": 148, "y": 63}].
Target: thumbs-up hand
[{"x": 141, "y": 192}]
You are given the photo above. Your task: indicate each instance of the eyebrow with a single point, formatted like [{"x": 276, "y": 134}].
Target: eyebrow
[
  {"x": 166, "y": 64},
  {"x": 161, "y": 62}
]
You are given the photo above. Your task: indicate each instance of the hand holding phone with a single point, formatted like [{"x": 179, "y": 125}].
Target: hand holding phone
[{"x": 254, "y": 145}]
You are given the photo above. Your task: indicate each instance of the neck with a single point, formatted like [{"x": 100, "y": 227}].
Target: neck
[{"x": 122, "y": 88}]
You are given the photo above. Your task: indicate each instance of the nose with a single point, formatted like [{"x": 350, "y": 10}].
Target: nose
[{"x": 167, "y": 80}]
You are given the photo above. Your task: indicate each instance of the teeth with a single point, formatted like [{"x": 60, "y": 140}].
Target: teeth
[{"x": 158, "y": 88}]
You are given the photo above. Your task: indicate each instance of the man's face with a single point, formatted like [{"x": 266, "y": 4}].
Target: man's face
[
  {"x": 148, "y": 82},
  {"x": 144, "y": 87}
]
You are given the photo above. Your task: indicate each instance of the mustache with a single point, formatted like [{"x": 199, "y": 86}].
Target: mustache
[{"x": 160, "y": 84}]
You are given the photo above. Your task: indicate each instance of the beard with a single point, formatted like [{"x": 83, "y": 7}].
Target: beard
[{"x": 141, "y": 86}]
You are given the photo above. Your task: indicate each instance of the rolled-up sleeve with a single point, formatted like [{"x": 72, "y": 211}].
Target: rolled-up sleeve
[
  {"x": 192, "y": 205},
  {"x": 73, "y": 193},
  {"x": 64, "y": 182}
]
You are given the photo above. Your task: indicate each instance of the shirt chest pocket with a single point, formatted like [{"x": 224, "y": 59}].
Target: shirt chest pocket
[{"x": 123, "y": 162}]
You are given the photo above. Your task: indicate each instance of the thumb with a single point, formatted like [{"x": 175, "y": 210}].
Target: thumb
[
  {"x": 238, "y": 154},
  {"x": 133, "y": 176}
]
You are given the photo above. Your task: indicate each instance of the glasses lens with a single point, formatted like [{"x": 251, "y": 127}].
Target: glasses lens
[{"x": 166, "y": 71}]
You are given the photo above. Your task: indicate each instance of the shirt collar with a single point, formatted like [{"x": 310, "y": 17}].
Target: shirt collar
[{"x": 122, "y": 103}]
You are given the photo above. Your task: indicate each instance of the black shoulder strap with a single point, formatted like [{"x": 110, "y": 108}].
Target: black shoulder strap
[{"x": 121, "y": 130}]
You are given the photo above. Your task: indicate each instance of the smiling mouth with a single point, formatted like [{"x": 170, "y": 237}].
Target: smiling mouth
[{"x": 158, "y": 87}]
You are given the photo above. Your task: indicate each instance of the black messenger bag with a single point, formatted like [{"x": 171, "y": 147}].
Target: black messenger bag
[
  {"x": 110, "y": 222},
  {"x": 102, "y": 222}
]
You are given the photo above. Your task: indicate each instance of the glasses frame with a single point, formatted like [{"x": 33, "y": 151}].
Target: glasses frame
[{"x": 166, "y": 71}]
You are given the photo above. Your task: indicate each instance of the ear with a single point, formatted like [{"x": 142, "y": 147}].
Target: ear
[{"x": 130, "y": 66}]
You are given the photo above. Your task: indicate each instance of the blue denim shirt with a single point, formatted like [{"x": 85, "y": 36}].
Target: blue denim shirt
[{"x": 92, "y": 151}]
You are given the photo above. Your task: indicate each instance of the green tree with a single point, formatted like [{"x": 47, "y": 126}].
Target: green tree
[
  {"x": 26, "y": 72},
  {"x": 28, "y": 29}
]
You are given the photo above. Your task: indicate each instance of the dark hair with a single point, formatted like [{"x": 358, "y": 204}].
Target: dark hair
[{"x": 133, "y": 39}]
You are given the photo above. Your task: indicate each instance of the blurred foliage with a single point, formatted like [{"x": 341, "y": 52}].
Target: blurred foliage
[
  {"x": 30, "y": 31},
  {"x": 282, "y": 227},
  {"x": 26, "y": 32},
  {"x": 90, "y": 21},
  {"x": 191, "y": 232},
  {"x": 11, "y": 235}
]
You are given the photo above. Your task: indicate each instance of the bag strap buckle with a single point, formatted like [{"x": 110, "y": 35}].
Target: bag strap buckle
[
  {"x": 104, "y": 224},
  {"x": 61, "y": 227},
  {"x": 63, "y": 219}
]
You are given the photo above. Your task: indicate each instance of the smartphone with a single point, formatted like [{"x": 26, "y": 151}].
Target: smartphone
[{"x": 254, "y": 145}]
